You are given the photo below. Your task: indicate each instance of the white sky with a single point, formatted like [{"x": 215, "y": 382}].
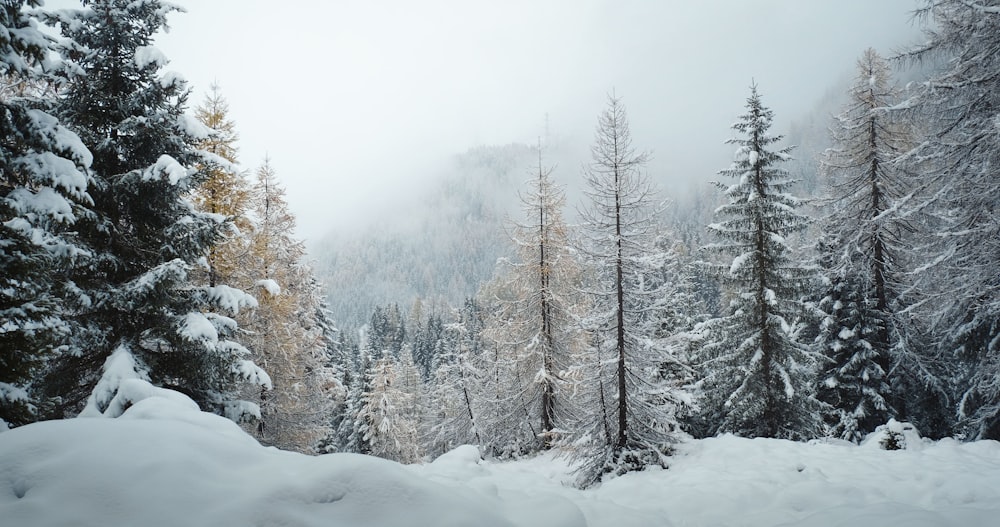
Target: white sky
[{"x": 355, "y": 101}]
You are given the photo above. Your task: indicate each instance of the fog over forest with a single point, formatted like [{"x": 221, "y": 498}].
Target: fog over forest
[{"x": 362, "y": 104}]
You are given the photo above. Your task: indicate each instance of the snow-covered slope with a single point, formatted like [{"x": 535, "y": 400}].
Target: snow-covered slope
[{"x": 162, "y": 463}]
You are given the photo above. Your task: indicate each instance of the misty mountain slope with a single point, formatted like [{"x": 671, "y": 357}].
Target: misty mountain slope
[
  {"x": 444, "y": 241},
  {"x": 439, "y": 250}
]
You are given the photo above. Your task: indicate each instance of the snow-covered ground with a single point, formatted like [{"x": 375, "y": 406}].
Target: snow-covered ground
[{"x": 163, "y": 463}]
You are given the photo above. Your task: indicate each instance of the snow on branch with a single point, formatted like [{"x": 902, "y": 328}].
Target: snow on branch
[
  {"x": 196, "y": 327},
  {"x": 149, "y": 55},
  {"x": 269, "y": 285},
  {"x": 120, "y": 366},
  {"x": 165, "y": 167},
  {"x": 250, "y": 372},
  {"x": 230, "y": 298}
]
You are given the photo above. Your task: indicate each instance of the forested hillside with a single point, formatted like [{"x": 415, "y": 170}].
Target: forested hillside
[{"x": 440, "y": 248}]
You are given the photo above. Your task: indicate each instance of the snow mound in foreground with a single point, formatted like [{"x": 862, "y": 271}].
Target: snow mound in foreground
[
  {"x": 164, "y": 463},
  {"x": 185, "y": 467}
]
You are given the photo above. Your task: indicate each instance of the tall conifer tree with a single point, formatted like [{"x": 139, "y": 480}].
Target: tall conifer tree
[
  {"x": 960, "y": 157},
  {"x": 43, "y": 192},
  {"x": 143, "y": 312},
  {"x": 225, "y": 191},
  {"x": 285, "y": 331},
  {"x": 863, "y": 334},
  {"x": 457, "y": 393},
  {"x": 628, "y": 427},
  {"x": 536, "y": 324},
  {"x": 759, "y": 377}
]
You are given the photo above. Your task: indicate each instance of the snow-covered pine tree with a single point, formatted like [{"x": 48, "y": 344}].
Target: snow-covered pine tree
[
  {"x": 390, "y": 429},
  {"x": 340, "y": 353},
  {"x": 961, "y": 155},
  {"x": 353, "y": 429},
  {"x": 411, "y": 382},
  {"x": 862, "y": 254},
  {"x": 387, "y": 330},
  {"x": 617, "y": 237},
  {"x": 536, "y": 324},
  {"x": 43, "y": 190},
  {"x": 426, "y": 337},
  {"x": 146, "y": 237},
  {"x": 322, "y": 390},
  {"x": 671, "y": 320},
  {"x": 759, "y": 379},
  {"x": 456, "y": 389}
]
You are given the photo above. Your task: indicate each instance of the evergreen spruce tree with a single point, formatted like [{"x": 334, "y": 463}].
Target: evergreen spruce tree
[
  {"x": 863, "y": 334},
  {"x": 340, "y": 352},
  {"x": 426, "y": 339},
  {"x": 391, "y": 430},
  {"x": 387, "y": 331},
  {"x": 456, "y": 392},
  {"x": 960, "y": 157},
  {"x": 142, "y": 309},
  {"x": 759, "y": 379},
  {"x": 618, "y": 235},
  {"x": 353, "y": 430},
  {"x": 43, "y": 191}
]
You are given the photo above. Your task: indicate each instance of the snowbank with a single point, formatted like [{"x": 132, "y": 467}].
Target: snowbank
[
  {"x": 734, "y": 481},
  {"x": 162, "y": 464},
  {"x": 165, "y": 463}
]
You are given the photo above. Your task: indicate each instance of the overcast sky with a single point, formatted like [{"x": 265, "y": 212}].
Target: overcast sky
[{"x": 356, "y": 100}]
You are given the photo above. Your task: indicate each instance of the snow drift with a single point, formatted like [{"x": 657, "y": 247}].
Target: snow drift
[{"x": 163, "y": 463}]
